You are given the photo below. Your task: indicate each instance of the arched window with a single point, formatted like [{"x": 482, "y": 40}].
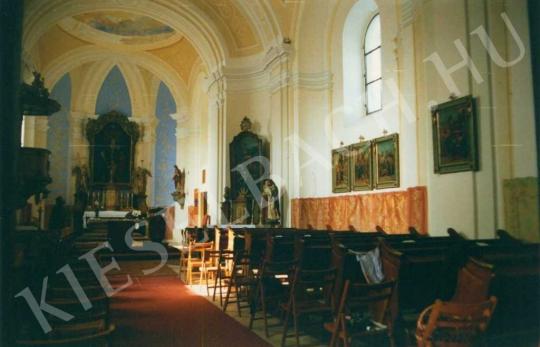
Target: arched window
[{"x": 372, "y": 66}]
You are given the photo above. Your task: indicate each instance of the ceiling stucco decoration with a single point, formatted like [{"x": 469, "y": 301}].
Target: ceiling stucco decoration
[
  {"x": 120, "y": 28},
  {"x": 124, "y": 24},
  {"x": 184, "y": 18}
]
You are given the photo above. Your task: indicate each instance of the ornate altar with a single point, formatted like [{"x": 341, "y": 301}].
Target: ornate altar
[
  {"x": 112, "y": 139},
  {"x": 249, "y": 165}
]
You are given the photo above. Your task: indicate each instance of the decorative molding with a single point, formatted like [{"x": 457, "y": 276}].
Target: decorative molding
[
  {"x": 87, "y": 33},
  {"x": 406, "y": 12},
  {"x": 256, "y": 74},
  {"x": 313, "y": 81}
]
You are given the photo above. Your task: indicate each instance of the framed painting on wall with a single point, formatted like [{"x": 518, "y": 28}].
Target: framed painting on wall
[
  {"x": 386, "y": 161},
  {"x": 361, "y": 166},
  {"x": 454, "y": 136},
  {"x": 341, "y": 170}
]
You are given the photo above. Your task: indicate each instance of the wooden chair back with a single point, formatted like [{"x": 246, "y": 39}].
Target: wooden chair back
[
  {"x": 375, "y": 297},
  {"x": 280, "y": 247},
  {"x": 473, "y": 282},
  {"x": 454, "y": 324},
  {"x": 311, "y": 285},
  {"x": 358, "y": 299}
]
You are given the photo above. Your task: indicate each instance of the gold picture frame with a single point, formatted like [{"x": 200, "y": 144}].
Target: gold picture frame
[
  {"x": 361, "y": 155},
  {"x": 455, "y": 143},
  {"x": 386, "y": 161},
  {"x": 341, "y": 170}
]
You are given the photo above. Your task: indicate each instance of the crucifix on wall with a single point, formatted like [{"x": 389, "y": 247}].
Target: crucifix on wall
[{"x": 112, "y": 148}]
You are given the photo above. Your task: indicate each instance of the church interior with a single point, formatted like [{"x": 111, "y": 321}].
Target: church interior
[{"x": 270, "y": 173}]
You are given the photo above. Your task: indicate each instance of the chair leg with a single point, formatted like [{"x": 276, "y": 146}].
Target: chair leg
[
  {"x": 253, "y": 305},
  {"x": 345, "y": 335},
  {"x": 207, "y": 289},
  {"x": 181, "y": 262},
  {"x": 285, "y": 326},
  {"x": 219, "y": 280},
  {"x": 295, "y": 318},
  {"x": 263, "y": 306},
  {"x": 229, "y": 287},
  {"x": 215, "y": 283},
  {"x": 238, "y": 296},
  {"x": 335, "y": 333}
]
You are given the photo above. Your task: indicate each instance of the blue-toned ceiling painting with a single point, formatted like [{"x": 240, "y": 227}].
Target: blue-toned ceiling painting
[
  {"x": 165, "y": 152},
  {"x": 58, "y": 139},
  {"x": 114, "y": 94},
  {"x": 124, "y": 24}
]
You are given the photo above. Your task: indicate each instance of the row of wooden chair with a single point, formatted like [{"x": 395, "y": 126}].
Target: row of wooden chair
[
  {"x": 424, "y": 268},
  {"x": 390, "y": 263}
]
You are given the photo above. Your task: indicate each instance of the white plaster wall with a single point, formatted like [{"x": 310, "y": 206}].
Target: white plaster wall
[
  {"x": 471, "y": 202},
  {"x": 522, "y": 105},
  {"x": 315, "y": 104},
  {"x": 315, "y": 143}
]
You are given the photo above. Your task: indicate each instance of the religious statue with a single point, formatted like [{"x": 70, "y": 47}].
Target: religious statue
[
  {"x": 140, "y": 180},
  {"x": 226, "y": 206},
  {"x": 246, "y": 124},
  {"x": 82, "y": 180},
  {"x": 270, "y": 203},
  {"x": 82, "y": 189},
  {"x": 179, "y": 179}
]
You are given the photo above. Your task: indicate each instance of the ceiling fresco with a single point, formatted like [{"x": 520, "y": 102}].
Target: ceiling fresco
[{"x": 124, "y": 24}]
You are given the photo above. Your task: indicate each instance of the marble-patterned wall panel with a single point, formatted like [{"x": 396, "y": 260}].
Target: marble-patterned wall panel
[
  {"x": 114, "y": 94},
  {"x": 165, "y": 150}
]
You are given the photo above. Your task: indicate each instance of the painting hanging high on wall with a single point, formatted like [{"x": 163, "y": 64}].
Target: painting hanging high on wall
[
  {"x": 341, "y": 170},
  {"x": 454, "y": 136},
  {"x": 361, "y": 166},
  {"x": 386, "y": 161}
]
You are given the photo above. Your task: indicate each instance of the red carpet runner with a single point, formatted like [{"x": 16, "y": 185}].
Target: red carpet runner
[{"x": 162, "y": 311}]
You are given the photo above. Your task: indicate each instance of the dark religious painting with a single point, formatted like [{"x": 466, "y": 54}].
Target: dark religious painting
[
  {"x": 361, "y": 169},
  {"x": 112, "y": 140},
  {"x": 112, "y": 156},
  {"x": 454, "y": 136},
  {"x": 341, "y": 170},
  {"x": 386, "y": 161},
  {"x": 247, "y": 163},
  {"x": 249, "y": 166}
]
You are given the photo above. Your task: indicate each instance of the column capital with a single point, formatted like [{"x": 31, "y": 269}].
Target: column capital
[
  {"x": 82, "y": 115},
  {"x": 181, "y": 116}
]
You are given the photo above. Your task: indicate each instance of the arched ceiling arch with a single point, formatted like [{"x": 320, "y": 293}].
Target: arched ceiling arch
[
  {"x": 219, "y": 30},
  {"x": 190, "y": 21},
  {"x": 83, "y": 55}
]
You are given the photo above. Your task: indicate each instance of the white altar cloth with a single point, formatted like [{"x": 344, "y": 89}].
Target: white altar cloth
[{"x": 102, "y": 215}]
